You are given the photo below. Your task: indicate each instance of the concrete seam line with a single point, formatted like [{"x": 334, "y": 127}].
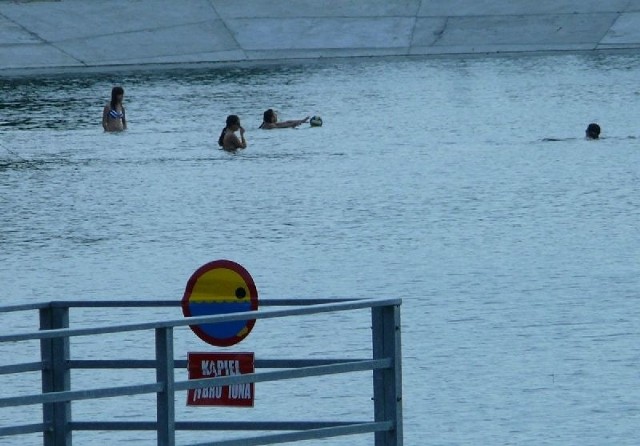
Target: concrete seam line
[
  {"x": 134, "y": 31},
  {"x": 42, "y": 40},
  {"x": 413, "y": 34},
  {"x": 538, "y": 14},
  {"x": 606, "y": 33},
  {"x": 145, "y": 61},
  {"x": 226, "y": 27},
  {"x": 31, "y": 33},
  {"x": 441, "y": 32}
]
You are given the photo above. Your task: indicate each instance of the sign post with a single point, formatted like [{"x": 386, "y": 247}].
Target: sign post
[{"x": 220, "y": 287}]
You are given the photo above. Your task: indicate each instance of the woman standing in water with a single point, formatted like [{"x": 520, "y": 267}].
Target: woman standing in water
[
  {"x": 113, "y": 117},
  {"x": 228, "y": 139}
]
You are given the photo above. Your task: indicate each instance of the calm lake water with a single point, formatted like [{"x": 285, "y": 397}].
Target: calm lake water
[{"x": 517, "y": 259}]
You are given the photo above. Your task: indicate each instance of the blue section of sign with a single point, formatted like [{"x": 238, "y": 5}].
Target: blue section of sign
[{"x": 222, "y": 330}]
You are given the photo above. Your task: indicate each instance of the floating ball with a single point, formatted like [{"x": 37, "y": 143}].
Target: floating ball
[{"x": 315, "y": 121}]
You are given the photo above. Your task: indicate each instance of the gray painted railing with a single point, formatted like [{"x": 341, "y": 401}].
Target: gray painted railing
[{"x": 56, "y": 363}]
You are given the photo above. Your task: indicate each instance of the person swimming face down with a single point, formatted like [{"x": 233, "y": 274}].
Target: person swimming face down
[
  {"x": 593, "y": 131},
  {"x": 270, "y": 121}
]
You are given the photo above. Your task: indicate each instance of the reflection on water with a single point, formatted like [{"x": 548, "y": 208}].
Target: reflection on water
[{"x": 430, "y": 180}]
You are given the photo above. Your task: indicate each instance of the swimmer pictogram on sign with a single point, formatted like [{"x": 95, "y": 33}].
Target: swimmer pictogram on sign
[{"x": 220, "y": 287}]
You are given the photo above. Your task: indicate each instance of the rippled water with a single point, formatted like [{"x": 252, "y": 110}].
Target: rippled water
[{"x": 517, "y": 258}]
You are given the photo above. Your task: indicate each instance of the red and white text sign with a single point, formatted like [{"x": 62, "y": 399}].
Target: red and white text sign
[{"x": 211, "y": 365}]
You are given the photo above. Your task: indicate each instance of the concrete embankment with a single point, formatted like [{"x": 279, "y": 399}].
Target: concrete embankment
[{"x": 71, "y": 35}]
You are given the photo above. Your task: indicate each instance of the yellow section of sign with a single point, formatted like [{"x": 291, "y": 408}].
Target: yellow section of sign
[{"x": 220, "y": 285}]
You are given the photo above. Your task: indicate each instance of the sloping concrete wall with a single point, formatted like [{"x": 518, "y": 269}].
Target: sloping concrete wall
[{"x": 76, "y": 34}]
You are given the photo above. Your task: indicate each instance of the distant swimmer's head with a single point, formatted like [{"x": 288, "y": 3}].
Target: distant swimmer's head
[{"x": 593, "y": 131}]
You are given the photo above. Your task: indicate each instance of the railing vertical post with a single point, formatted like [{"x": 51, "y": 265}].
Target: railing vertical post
[
  {"x": 165, "y": 399},
  {"x": 56, "y": 376},
  {"x": 387, "y": 383}
]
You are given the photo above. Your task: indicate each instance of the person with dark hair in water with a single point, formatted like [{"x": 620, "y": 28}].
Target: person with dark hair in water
[
  {"x": 593, "y": 131},
  {"x": 228, "y": 139},
  {"x": 113, "y": 117},
  {"x": 270, "y": 121}
]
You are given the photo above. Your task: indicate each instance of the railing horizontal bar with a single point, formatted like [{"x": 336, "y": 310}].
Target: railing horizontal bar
[
  {"x": 21, "y": 368},
  {"x": 152, "y": 304},
  {"x": 182, "y": 363},
  {"x": 24, "y": 429},
  {"x": 113, "y": 425},
  {"x": 115, "y": 303},
  {"x": 305, "y": 372},
  {"x": 118, "y": 364},
  {"x": 299, "y": 363},
  {"x": 177, "y": 303},
  {"x": 76, "y": 395},
  {"x": 209, "y": 425},
  {"x": 300, "y": 302},
  {"x": 23, "y": 307},
  {"x": 262, "y": 314},
  {"x": 312, "y": 434},
  {"x": 259, "y": 425}
]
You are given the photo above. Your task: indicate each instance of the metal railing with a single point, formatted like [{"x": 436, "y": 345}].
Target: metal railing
[{"x": 57, "y": 426}]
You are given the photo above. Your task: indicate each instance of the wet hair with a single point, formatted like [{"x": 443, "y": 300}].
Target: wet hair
[
  {"x": 115, "y": 92},
  {"x": 593, "y": 131},
  {"x": 231, "y": 120},
  {"x": 268, "y": 116}
]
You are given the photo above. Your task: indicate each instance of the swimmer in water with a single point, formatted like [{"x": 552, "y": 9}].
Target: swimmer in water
[
  {"x": 593, "y": 131},
  {"x": 270, "y": 121},
  {"x": 228, "y": 139},
  {"x": 113, "y": 117}
]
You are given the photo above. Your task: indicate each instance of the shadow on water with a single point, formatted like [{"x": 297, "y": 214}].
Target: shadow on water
[
  {"x": 46, "y": 103},
  {"x": 42, "y": 164},
  {"x": 47, "y": 162},
  {"x": 23, "y": 164},
  {"x": 278, "y": 156}
]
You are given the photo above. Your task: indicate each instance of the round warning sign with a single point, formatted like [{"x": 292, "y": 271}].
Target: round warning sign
[{"x": 220, "y": 287}]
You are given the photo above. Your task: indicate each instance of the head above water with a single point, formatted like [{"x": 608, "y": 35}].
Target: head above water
[
  {"x": 270, "y": 116},
  {"x": 593, "y": 131},
  {"x": 117, "y": 93},
  {"x": 233, "y": 121}
]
